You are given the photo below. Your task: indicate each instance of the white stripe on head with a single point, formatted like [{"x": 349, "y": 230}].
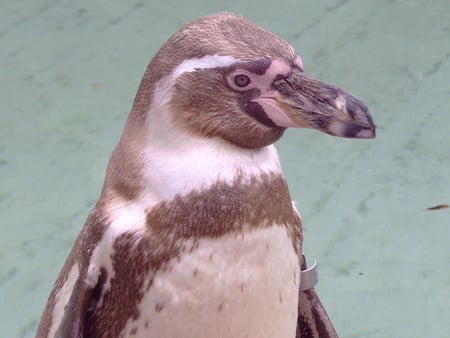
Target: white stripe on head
[
  {"x": 205, "y": 62},
  {"x": 162, "y": 94},
  {"x": 177, "y": 162}
]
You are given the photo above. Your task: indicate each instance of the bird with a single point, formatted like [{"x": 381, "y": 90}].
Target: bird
[{"x": 195, "y": 233}]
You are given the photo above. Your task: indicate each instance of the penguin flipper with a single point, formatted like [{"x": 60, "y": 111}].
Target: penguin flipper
[
  {"x": 312, "y": 321},
  {"x": 67, "y": 307},
  {"x": 75, "y": 313},
  {"x": 78, "y": 287}
]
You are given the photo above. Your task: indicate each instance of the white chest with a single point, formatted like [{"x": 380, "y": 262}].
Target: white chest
[{"x": 234, "y": 286}]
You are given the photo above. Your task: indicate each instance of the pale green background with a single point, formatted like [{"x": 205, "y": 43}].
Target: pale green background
[{"x": 69, "y": 71}]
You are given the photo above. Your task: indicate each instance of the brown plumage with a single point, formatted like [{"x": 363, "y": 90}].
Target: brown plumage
[{"x": 195, "y": 233}]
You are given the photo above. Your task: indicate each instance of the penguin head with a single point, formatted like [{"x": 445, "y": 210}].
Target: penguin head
[{"x": 224, "y": 77}]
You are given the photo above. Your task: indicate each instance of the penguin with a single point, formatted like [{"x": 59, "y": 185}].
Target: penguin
[{"x": 195, "y": 233}]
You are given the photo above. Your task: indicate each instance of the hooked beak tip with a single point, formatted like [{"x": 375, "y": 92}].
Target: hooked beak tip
[
  {"x": 353, "y": 119},
  {"x": 348, "y": 129}
]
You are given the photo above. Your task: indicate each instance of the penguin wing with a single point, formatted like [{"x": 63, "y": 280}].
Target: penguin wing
[
  {"x": 75, "y": 313},
  {"x": 67, "y": 307},
  {"x": 312, "y": 321},
  {"x": 74, "y": 292}
]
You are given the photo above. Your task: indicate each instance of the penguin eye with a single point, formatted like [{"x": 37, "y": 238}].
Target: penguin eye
[{"x": 241, "y": 80}]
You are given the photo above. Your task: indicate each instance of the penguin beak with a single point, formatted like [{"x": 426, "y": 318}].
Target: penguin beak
[{"x": 309, "y": 103}]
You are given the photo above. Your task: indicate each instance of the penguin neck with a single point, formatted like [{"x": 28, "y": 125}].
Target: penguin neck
[{"x": 159, "y": 171}]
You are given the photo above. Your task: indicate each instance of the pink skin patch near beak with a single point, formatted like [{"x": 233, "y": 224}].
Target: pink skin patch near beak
[
  {"x": 269, "y": 100},
  {"x": 276, "y": 111}
]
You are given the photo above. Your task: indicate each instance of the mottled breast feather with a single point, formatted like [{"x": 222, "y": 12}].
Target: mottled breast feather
[{"x": 220, "y": 209}]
